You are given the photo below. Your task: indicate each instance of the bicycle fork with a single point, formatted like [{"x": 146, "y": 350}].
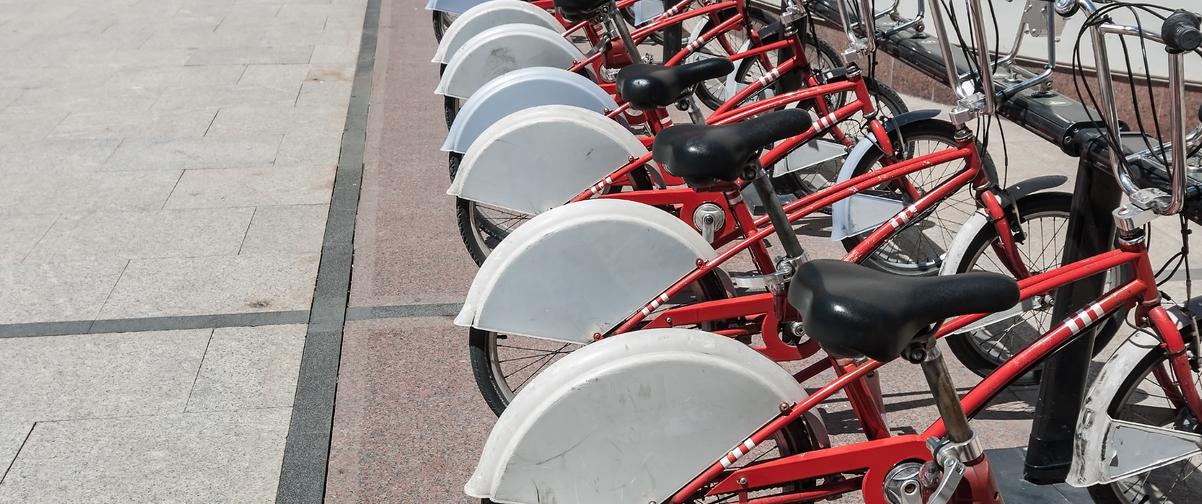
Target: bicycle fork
[{"x": 958, "y": 470}]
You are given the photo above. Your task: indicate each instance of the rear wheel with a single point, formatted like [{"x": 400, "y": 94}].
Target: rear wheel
[
  {"x": 482, "y": 226},
  {"x": 918, "y": 249},
  {"x": 1142, "y": 399},
  {"x": 503, "y": 364},
  {"x": 442, "y": 21},
  {"x": 450, "y": 109}
]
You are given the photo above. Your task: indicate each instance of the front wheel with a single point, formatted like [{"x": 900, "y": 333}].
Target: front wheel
[
  {"x": 442, "y": 21},
  {"x": 1144, "y": 399},
  {"x": 919, "y": 248},
  {"x": 1043, "y": 219}
]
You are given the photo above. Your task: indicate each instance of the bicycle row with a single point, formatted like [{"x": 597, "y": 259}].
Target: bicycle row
[{"x": 631, "y": 360}]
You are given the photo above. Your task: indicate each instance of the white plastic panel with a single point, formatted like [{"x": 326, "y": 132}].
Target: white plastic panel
[
  {"x": 518, "y": 90},
  {"x": 487, "y": 15},
  {"x": 580, "y": 269},
  {"x": 500, "y": 50},
  {"x": 540, "y": 158},
  {"x": 629, "y": 419},
  {"x": 859, "y": 213},
  {"x": 1106, "y": 449}
]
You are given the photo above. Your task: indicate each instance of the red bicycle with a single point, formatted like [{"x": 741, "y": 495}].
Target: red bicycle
[{"x": 664, "y": 415}]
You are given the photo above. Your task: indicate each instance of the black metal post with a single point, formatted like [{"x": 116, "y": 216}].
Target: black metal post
[
  {"x": 1065, "y": 375},
  {"x": 672, "y": 35}
]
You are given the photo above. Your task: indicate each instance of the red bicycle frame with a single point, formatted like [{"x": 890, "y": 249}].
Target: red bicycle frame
[{"x": 872, "y": 459}]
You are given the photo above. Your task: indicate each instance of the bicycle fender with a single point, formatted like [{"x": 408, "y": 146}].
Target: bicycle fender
[
  {"x": 487, "y": 15},
  {"x": 540, "y": 158},
  {"x": 453, "y": 6},
  {"x": 503, "y": 49},
  {"x": 630, "y": 419},
  {"x": 861, "y": 213},
  {"x": 581, "y": 269},
  {"x": 518, "y": 90},
  {"x": 969, "y": 230},
  {"x": 1106, "y": 449}
]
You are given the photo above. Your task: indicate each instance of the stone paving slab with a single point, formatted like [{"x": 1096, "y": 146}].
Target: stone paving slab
[
  {"x": 12, "y": 435},
  {"x": 252, "y": 187},
  {"x": 247, "y": 368},
  {"x": 40, "y": 292},
  {"x": 140, "y": 123},
  {"x": 194, "y": 457},
  {"x": 198, "y": 153},
  {"x": 63, "y": 192},
  {"x": 408, "y": 248},
  {"x": 167, "y": 233},
  {"x": 220, "y": 284},
  {"x": 292, "y": 229},
  {"x": 21, "y": 235},
  {"x": 102, "y": 375}
]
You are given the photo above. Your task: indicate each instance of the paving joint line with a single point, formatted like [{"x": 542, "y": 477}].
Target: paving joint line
[
  {"x": 307, "y": 448},
  {"x": 216, "y": 320}
]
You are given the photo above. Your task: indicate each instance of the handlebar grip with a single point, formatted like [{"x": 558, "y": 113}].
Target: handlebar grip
[{"x": 1180, "y": 32}]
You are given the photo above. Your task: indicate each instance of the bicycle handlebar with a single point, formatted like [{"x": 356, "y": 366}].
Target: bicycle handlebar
[{"x": 1180, "y": 33}]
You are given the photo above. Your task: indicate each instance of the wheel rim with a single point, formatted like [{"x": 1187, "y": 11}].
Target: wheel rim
[
  {"x": 530, "y": 359},
  {"x": 490, "y": 225},
  {"x": 1041, "y": 251}
]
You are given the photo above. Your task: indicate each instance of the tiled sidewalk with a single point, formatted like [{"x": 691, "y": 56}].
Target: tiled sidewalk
[{"x": 164, "y": 164}]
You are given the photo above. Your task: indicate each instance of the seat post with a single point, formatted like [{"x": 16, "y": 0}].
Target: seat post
[
  {"x": 946, "y": 399},
  {"x": 776, "y": 212},
  {"x": 619, "y": 25}
]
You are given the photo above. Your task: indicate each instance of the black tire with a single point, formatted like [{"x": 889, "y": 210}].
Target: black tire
[
  {"x": 1113, "y": 493},
  {"x": 888, "y": 102},
  {"x": 480, "y": 233},
  {"x": 1043, "y": 217},
  {"x": 442, "y": 21},
  {"x": 453, "y": 160},
  {"x": 911, "y": 251},
  {"x": 450, "y": 109},
  {"x": 482, "y": 349}
]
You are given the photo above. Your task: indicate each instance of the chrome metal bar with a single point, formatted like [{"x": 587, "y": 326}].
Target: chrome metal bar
[
  {"x": 1177, "y": 118},
  {"x": 1130, "y": 31},
  {"x": 847, "y": 27},
  {"x": 868, "y": 22},
  {"x": 1106, "y": 87},
  {"x": 949, "y": 63},
  {"x": 619, "y": 24},
  {"x": 906, "y": 25},
  {"x": 983, "y": 63}
]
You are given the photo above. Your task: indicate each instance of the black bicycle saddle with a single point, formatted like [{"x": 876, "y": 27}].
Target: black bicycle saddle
[
  {"x": 851, "y": 310},
  {"x": 704, "y": 155},
  {"x": 646, "y": 86}
]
